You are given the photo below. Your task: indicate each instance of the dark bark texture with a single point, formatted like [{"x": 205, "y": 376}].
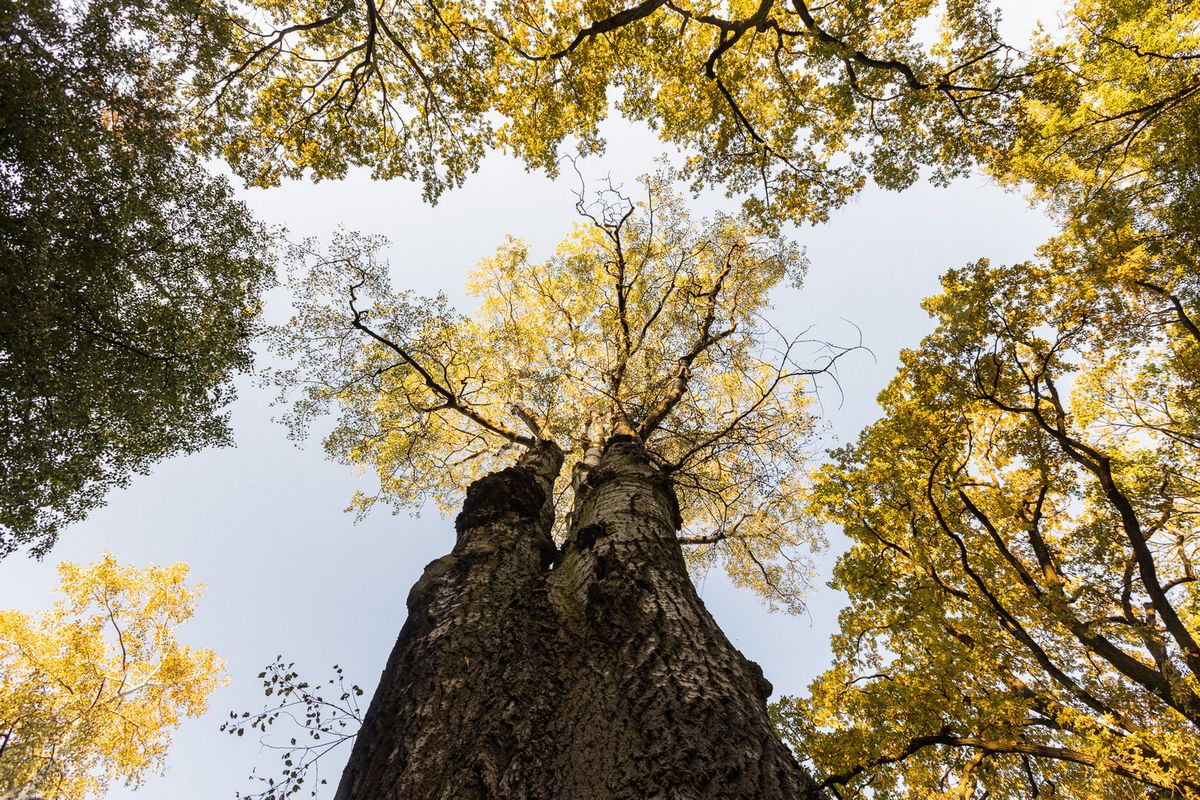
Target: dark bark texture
[{"x": 592, "y": 673}]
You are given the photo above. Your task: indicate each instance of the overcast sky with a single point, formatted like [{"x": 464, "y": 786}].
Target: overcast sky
[{"x": 261, "y": 524}]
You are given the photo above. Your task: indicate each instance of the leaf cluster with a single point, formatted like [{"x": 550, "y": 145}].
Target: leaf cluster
[
  {"x": 91, "y": 689},
  {"x": 799, "y": 104},
  {"x": 320, "y": 717},
  {"x": 1024, "y": 550},
  {"x": 129, "y": 277},
  {"x": 1022, "y": 581}
]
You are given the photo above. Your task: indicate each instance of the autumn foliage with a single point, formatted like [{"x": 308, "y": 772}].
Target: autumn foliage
[
  {"x": 1023, "y": 617},
  {"x": 91, "y": 689}
]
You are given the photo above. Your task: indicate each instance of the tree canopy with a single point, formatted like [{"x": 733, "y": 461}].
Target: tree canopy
[
  {"x": 644, "y": 323},
  {"x": 129, "y": 276},
  {"x": 799, "y": 103},
  {"x": 91, "y": 690},
  {"x": 1023, "y": 617},
  {"x": 1024, "y": 612},
  {"x": 1023, "y": 594},
  {"x": 1105, "y": 138}
]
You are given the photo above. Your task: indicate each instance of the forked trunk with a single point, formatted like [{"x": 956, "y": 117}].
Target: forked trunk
[{"x": 600, "y": 675}]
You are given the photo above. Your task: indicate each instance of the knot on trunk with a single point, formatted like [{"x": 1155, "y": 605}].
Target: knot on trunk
[
  {"x": 761, "y": 684},
  {"x": 435, "y": 575},
  {"x": 619, "y": 438},
  {"x": 664, "y": 482},
  {"x": 511, "y": 490},
  {"x": 586, "y": 536},
  {"x": 595, "y": 477}
]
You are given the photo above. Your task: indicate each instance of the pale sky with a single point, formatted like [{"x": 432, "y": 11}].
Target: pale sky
[{"x": 261, "y": 524}]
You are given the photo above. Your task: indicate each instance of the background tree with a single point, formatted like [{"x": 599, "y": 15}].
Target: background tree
[
  {"x": 561, "y": 649},
  {"x": 1106, "y": 140},
  {"x": 91, "y": 690},
  {"x": 1024, "y": 556},
  {"x": 1034, "y": 473},
  {"x": 129, "y": 276},
  {"x": 799, "y": 103}
]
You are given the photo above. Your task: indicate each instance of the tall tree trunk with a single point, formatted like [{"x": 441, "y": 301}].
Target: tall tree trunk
[
  {"x": 456, "y": 713},
  {"x": 600, "y": 675},
  {"x": 656, "y": 702}
]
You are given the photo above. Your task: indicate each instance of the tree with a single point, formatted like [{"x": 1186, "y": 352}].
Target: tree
[
  {"x": 802, "y": 102},
  {"x": 638, "y": 356},
  {"x": 1023, "y": 555},
  {"x": 129, "y": 276},
  {"x": 90, "y": 690},
  {"x": 1104, "y": 138},
  {"x": 1023, "y": 516}
]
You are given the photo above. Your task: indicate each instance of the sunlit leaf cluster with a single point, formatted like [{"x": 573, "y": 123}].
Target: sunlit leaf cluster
[
  {"x": 1023, "y": 617},
  {"x": 1023, "y": 585},
  {"x": 797, "y": 104},
  {"x": 91, "y": 690},
  {"x": 1106, "y": 137}
]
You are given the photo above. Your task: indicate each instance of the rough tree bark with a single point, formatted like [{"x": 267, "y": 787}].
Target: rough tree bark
[
  {"x": 458, "y": 709},
  {"x": 590, "y": 673}
]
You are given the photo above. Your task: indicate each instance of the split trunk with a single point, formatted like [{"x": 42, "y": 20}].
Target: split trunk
[{"x": 591, "y": 672}]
